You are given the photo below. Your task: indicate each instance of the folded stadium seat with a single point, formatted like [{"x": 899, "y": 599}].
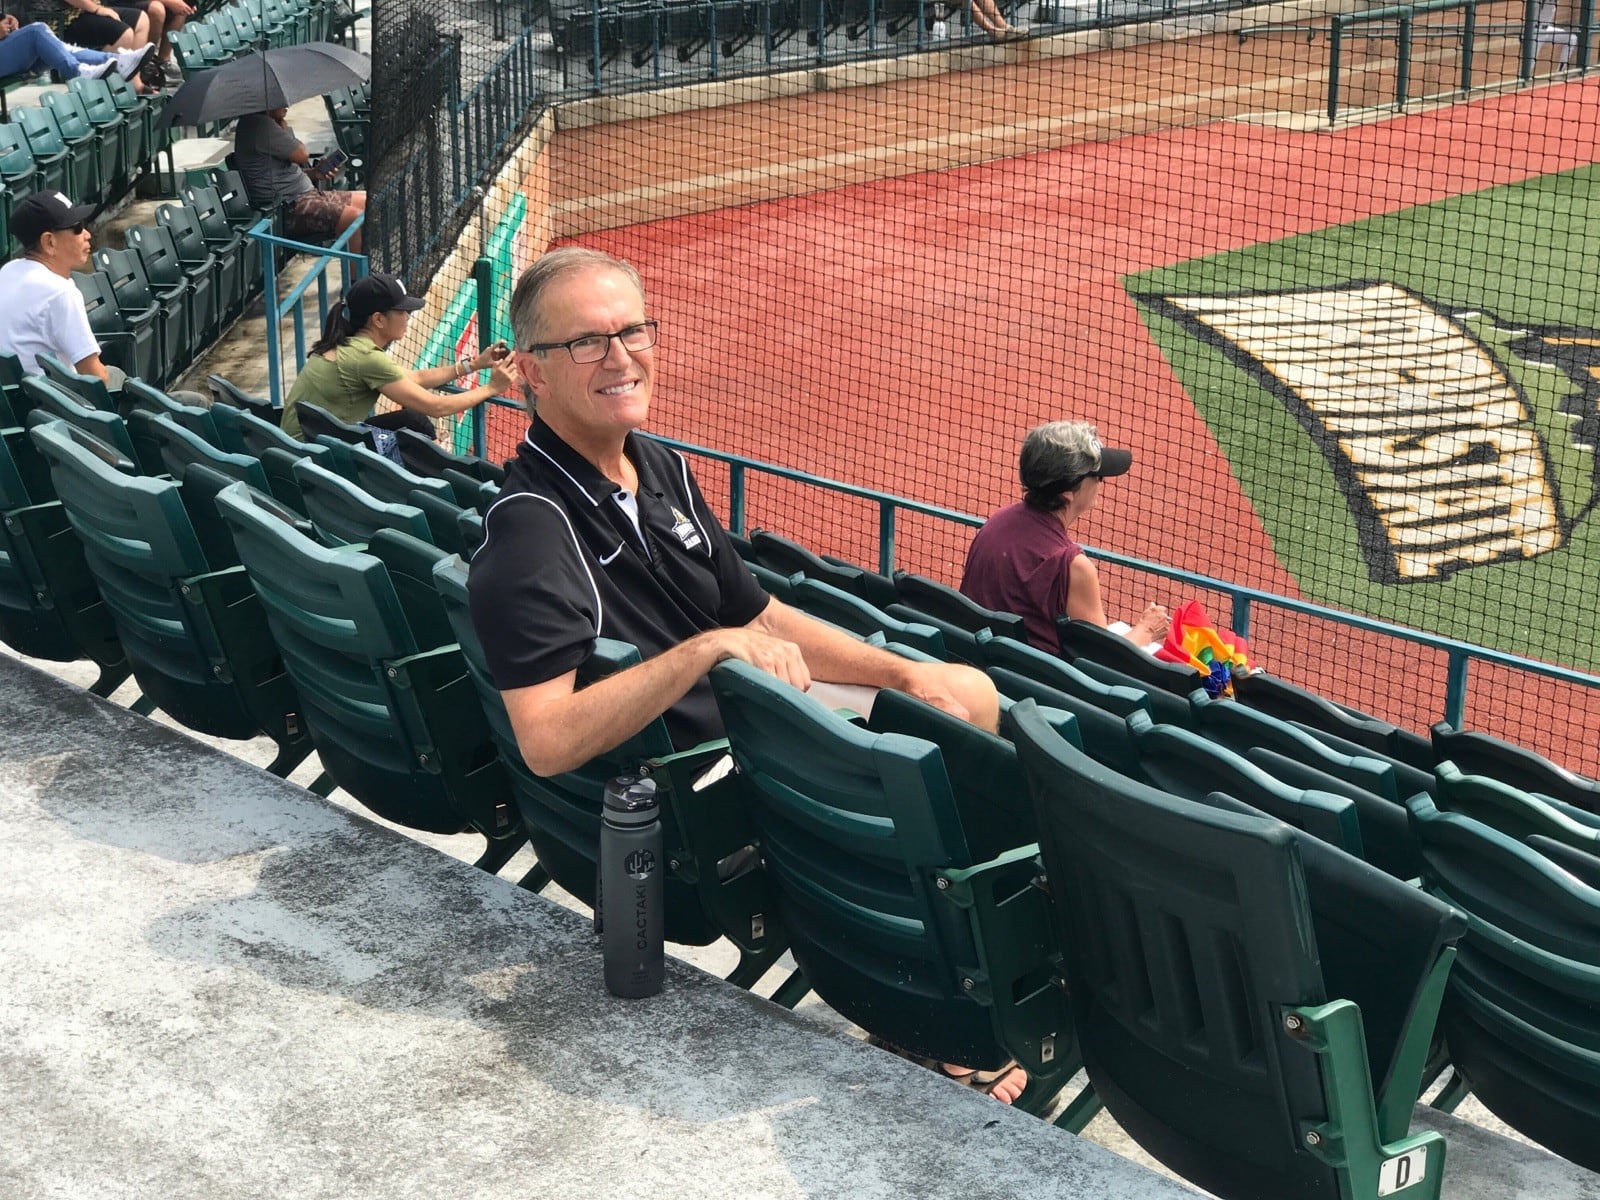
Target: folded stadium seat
[
  {"x": 137, "y": 394},
  {"x": 1255, "y": 1007},
  {"x": 130, "y": 340},
  {"x": 195, "y": 635},
  {"x": 470, "y": 492},
  {"x": 89, "y": 389},
  {"x": 1407, "y": 779},
  {"x": 1513, "y": 812},
  {"x": 1262, "y": 690},
  {"x": 424, "y": 456},
  {"x": 1522, "y": 1017},
  {"x": 74, "y": 170},
  {"x": 223, "y": 240},
  {"x": 131, "y": 287},
  {"x": 352, "y": 130},
  {"x": 49, "y": 605},
  {"x": 947, "y": 604},
  {"x": 1182, "y": 763},
  {"x": 224, "y": 391},
  {"x": 838, "y": 607},
  {"x": 392, "y": 715},
  {"x": 241, "y": 433},
  {"x": 157, "y": 437},
  {"x": 234, "y": 36},
  {"x": 11, "y": 378},
  {"x": 55, "y": 403},
  {"x": 100, "y": 106},
  {"x": 77, "y": 130},
  {"x": 789, "y": 558},
  {"x": 173, "y": 284},
  {"x": 387, "y": 481},
  {"x": 1084, "y": 639},
  {"x": 146, "y": 108},
  {"x": 225, "y": 261},
  {"x": 1481, "y": 754},
  {"x": 711, "y": 889},
  {"x": 906, "y": 885},
  {"x": 771, "y": 582},
  {"x": 317, "y": 424},
  {"x": 18, "y": 170},
  {"x": 444, "y": 518},
  {"x": 1295, "y": 757},
  {"x": 345, "y": 514},
  {"x": 236, "y": 207}
]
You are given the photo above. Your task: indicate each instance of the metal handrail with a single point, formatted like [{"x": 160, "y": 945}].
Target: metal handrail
[{"x": 354, "y": 267}]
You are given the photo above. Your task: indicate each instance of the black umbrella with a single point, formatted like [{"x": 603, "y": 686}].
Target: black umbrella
[{"x": 269, "y": 79}]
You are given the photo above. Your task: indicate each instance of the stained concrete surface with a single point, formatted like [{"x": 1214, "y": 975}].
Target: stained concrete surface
[{"x": 218, "y": 986}]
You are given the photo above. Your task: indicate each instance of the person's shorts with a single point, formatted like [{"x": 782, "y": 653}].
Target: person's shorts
[
  {"x": 95, "y": 32},
  {"x": 316, "y": 214}
]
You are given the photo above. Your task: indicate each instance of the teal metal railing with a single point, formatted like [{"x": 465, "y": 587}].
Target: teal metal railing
[
  {"x": 1459, "y": 656},
  {"x": 352, "y": 266}
]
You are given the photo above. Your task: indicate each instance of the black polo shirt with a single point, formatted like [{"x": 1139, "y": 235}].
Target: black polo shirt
[{"x": 562, "y": 564}]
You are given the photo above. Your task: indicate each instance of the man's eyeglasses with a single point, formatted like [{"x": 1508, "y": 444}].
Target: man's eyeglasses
[{"x": 592, "y": 347}]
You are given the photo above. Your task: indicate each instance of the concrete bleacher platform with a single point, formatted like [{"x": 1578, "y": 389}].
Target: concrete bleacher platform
[{"x": 219, "y": 985}]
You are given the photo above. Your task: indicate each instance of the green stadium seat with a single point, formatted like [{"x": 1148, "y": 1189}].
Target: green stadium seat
[
  {"x": 195, "y": 635},
  {"x": 424, "y": 456},
  {"x": 49, "y": 605},
  {"x": 1513, "y": 812},
  {"x": 345, "y": 514},
  {"x": 224, "y": 391},
  {"x": 129, "y": 340},
  {"x": 387, "y": 481},
  {"x": 838, "y": 607},
  {"x": 1239, "y": 986},
  {"x": 56, "y": 403},
  {"x": 243, "y": 433},
  {"x": 471, "y": 492},
  {"x": 393, "y": 719},
  {"x": 1522, "y": 1018},
  {"x": 1084, "y": 639},
  {"x": 771, "y": 582},
  {"x": 18, "y": 170},
  {"x": 317, "y": 424},
  {"x": 74, "y": 170},
  {"x": 158, "y": 437},
  {"x": 710, "y": 890},
  {"x": 1184, "y": 764},
  {"x": 223, "y": 265},
  {"x": 352, "y": 130},
  {"x": 1289, "y": 702},
  {"x": 909, "y": 899},
  {"x": 173, "y": 284},
  {"x": 134, "y": 295},
  {"x": 935, "y": 600},
  {"x": 1482, "y": 754},
  {"x": 789, "y": 558},
  {"x": 225, "y": 241},
  {"x": 11, "y": 377},
  {"x": 444, "y": 521},
  {"x": 100, "y": 106},
  {"x": 85, "y": 136}
]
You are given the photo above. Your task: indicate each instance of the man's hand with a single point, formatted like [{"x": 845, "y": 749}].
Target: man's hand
[{"x": 779, "y": 658}]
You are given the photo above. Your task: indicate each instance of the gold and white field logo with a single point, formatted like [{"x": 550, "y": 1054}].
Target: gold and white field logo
[{"x": 1430, "y": 438}]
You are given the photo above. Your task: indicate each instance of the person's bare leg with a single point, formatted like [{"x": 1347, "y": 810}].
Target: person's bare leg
[
  {"x": 347, "y": 218},
  {"x": 987, "y": 17},
  {"x": 175, "y": 20},
  {"x": 156, "y": 16}
]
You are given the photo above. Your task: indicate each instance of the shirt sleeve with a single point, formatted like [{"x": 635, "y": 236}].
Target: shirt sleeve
[
  {"x": 743, "y": 599},
  {"x": 533, "y": 600},
  {"x": 69, "y": 326},
  {"x": 377, "y": 370},
  {"x": 272, "y": 138}
]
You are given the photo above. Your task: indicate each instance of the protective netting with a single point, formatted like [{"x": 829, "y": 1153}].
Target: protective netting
[{"x": 1353, "y": 345}]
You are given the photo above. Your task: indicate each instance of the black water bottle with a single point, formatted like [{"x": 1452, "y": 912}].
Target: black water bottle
[{"x": 631, "y": 870}]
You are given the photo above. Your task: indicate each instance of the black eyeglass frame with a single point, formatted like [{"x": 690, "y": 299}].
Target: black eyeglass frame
[{"x": 650, "y": 324}]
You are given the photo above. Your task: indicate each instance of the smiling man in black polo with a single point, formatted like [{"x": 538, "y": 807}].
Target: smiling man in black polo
[{"x": 602, "y": 532}]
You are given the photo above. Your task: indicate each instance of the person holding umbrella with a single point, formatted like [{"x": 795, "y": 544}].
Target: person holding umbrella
[{"x": 277, "y": 171}]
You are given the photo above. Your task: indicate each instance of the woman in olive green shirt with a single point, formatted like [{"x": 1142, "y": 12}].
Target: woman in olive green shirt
[{"x": 349, "y": 368}]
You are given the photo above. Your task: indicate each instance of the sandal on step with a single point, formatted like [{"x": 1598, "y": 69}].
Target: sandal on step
[{"x": 980, "y": 1081}]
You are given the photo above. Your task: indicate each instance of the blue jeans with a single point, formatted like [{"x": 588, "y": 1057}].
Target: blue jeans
[{"x": 34, "y": 48}]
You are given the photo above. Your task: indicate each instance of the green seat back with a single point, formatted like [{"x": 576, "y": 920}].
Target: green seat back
[
  {"x": 1513, "y": 812},
  {"x": 947, "y": 604},
  {"x": 1522, "y": 1021},
  {"x": 59, "y": 169},
  {"x": 1482, "y": 754},
  {"x": 841, "y": 608},
  {"x": 17, "y": 166},
  {"x": 1289, "y": 702},
  {"x": 1243, "y": 730},
  {"x": 1190, "y": 933},
  {"x": 1086, "y": 640},
  {"x": 72, "y": 118},
  {"x": 90, "y": 389},
  {"x": 135, "y": 297},
  {"x": 854, "y": 828},
  {"x": 389, "y": 482},
  {"x": 161, "y": 439},
  {"x": 1018, "y": 656},
  {"x": 394, "y": 721},
  {"x": 1184, "y": 764},
  {"x": 56, "y": 403},
  {"x": 424, "y": 456},
  {"x": 343, "y": 513},
  {"x": 137, "y": 393},
  {"x": 224, "y": 391},
  {"x": 156, "y": 581}
]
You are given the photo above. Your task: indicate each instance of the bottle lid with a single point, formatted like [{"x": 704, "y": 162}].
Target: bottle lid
[{"x": 631, "y": 800}]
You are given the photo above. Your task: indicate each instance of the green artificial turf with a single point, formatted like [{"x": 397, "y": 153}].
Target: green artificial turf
[{"x": 1505, "y": 260}]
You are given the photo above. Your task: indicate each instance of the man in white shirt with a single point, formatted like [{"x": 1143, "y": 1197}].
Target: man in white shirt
[{"x": 43, "y": 310}]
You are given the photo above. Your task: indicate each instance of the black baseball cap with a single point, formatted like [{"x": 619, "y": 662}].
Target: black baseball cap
[
  {"x": 378, "y": 293},
  {"x": 46, "y": 212}
]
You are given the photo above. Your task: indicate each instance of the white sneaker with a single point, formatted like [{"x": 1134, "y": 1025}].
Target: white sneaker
[
  {"x": 99, "y": 70},
  {"x": 130, "y": 62},
  {"x": 941, "y": 29}
]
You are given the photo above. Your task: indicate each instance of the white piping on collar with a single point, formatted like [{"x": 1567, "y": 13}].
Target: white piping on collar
[{"x": 541, "y": 450}]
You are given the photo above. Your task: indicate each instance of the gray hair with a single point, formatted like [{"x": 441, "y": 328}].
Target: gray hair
[
  {"x": 1055, "y": 459},
  {"x": 527, "y": 318}
]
